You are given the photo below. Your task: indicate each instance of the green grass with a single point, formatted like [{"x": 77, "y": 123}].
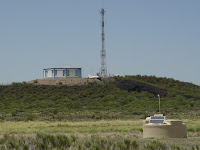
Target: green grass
[
  {"x": 113, "y": 134},
  {"x": 103, "y": 126},
  {"x": 193, "y": 125},
  {"x": 70, "y": 127},
  {"x": 94, "y": 141}
]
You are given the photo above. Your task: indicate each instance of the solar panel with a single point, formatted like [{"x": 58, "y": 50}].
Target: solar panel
[
  {"x": 157, "y": 117},
  {"x": 157, "y": 121}
]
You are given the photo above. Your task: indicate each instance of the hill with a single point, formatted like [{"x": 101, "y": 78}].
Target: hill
[{"x": 111, "y": 98}]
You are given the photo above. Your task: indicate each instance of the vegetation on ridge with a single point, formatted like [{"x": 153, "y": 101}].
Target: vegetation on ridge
[
  {"x": 169, "y": 84},
  {"x": 22, "y": 101}
]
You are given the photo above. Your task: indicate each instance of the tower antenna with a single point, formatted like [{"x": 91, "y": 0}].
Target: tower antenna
[{"x": 103, "y": 70}]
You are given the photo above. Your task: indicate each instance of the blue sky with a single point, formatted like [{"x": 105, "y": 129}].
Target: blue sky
[{"x": 147, "y": 37}]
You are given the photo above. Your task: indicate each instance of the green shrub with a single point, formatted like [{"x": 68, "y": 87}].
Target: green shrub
[
  {"x": 155, "y": 145},
  {"x": 35, "y": 81}
]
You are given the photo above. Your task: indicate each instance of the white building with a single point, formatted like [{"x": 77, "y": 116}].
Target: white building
[{"x": 64, "y": 72}]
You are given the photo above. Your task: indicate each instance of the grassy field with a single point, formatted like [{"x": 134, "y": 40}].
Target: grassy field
[
  {"x": 115, "y": 134},
  {"x": 70, "y": 127},
  {"x": 81, "y": 127}
]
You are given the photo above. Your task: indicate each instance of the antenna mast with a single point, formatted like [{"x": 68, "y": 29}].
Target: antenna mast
[
  {"x": 159, "y": 103},
  {"x": 103, "y": 70}
]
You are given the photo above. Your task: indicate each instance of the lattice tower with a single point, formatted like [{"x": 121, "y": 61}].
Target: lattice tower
[{"x": 103, "y": 70}]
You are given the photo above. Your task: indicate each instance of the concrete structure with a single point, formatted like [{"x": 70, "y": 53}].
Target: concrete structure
[
  {"x": 93, "y": 76},
  {"x": 64, "y": 72},
  {"x": 158, "y": 127}
]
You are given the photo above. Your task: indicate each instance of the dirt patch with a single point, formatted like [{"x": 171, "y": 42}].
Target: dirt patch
[{"x": 65, "y": 81}]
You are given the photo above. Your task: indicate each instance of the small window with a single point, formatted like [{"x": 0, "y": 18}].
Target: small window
[{"x": 63, "y": 73}]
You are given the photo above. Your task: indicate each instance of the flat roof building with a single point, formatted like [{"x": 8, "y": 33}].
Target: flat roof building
[{"x": 63, "y": 72}]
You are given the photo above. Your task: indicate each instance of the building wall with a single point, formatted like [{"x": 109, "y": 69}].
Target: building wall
[{"x": 62, "y": 73}]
